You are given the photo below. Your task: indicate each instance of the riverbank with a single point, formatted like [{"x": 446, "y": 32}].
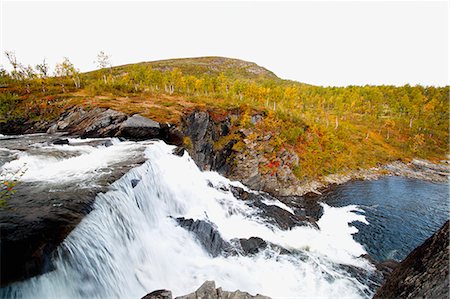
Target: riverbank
[{"x": 416, "y": 169}]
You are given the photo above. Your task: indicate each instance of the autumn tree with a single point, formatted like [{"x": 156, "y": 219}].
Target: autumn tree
[
  {"x": 104, "y": 63},
  {"x": 42, "y": 69},
  {"x": 66, "y": 70}
]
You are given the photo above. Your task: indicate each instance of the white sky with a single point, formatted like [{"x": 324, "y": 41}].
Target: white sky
[{"x": 322, "y": 43}]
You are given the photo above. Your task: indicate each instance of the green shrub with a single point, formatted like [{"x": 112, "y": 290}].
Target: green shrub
[{"x": 8, "y": 102}]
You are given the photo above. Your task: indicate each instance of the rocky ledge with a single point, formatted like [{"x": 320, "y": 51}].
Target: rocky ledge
[
  {"x": 207, "y": 290},
  {"x": 424, "y": 273}
]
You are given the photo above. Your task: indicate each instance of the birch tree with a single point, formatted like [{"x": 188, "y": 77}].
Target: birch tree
[{"x": 104, "y": 63}]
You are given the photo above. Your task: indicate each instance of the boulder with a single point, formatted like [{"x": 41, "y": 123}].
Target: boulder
[
  {"x": 179, "y": 151},
  {"x": 60, "y": 141},
  {"x": 94, "y": 123},
  {"x": 252, "y": 245},
  {"x": 276, "y": 215},
  {"x": 171, "y": 135},
  {"x": 208, "y": 291},
  {"x": 138, "y": 127},
  {"x": 424, "y": 273},
  {"x": 159, "y": 294},
  {"x": 282, "y": 218},
  {"x": 206, "y": 234}
]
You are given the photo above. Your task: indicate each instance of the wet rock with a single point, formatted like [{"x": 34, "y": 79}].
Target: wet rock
[
  {"x": 371, "y": 279},
  {"x": 387, "y": 267},
  {"x": 304, "y": 206},
  {"x": 208, "y": 291},
  {"x": 283, "y": 219},
  {"x": 108, "y": 143},
  {"x": 280, "y": 217},
  {"x": 252, "y": 245},
  {"x": 34, "y": 224},
  {"x": 134, "y": 182},
  {"x": 138, "y": 127},
  {"x": 171, "y": 135},
  {"x": 60, "y": 141},
  {"x": 179, "y": 151},
  {"x": 424, "y": 273},
  {"x": 159, "y": 294},
  {"x": 206, "y": 234},
  {"x": 241, "y": 194}
]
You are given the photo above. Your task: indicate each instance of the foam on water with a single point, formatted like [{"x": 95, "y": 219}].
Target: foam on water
[
  {"x": 130, "y": 245},
  {"x": 86, "y": 161}
]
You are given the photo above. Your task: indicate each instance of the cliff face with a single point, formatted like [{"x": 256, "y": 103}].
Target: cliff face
[
  {"x": 223, "y": 145},
  {"x": 424, "y": 273}
]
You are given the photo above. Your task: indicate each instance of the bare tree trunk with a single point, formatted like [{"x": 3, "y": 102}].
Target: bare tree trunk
[
  {"x": 104, "y": 78},
  {"x": 337, "y": 123},
  {"x": 410, "y": 122}
]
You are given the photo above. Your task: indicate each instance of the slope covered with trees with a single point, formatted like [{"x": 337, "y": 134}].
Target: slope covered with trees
[{"x": 332, "y": 129}]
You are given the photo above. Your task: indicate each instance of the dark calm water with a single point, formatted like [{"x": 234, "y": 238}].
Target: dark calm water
[{"x": 402, "y": 213}]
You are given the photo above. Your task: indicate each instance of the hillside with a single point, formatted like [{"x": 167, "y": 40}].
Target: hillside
[
  {"x": 324, "y": 130},
  {"x": 198, "y": 66}
]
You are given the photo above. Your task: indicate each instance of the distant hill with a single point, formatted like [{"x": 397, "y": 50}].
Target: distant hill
[{"x": 213, "y": 65}]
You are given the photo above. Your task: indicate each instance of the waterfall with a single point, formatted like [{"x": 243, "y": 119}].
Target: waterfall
[{"x": 131, "y": 244}]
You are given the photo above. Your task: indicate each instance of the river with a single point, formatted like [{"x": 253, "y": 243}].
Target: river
[
  {"x": 402, "y": 213},
  {"x": 131, "y": 244}
]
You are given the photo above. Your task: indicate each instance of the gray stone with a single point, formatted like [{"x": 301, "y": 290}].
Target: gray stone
[
  {"x": 138, "y": 127},
  {"x": 208, "y": 291},
  {"x": 424, "y": 273},
  {"x": 159, "y": 294},
  {"x": 206, "y": 234}
]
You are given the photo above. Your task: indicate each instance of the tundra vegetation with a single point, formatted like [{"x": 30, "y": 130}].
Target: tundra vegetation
[{"x": 332, "y": 129}]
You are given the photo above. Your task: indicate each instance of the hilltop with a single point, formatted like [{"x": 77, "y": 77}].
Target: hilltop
[
  {"x": 277, "y": 132},
  {"x": 214, "y": 65}
]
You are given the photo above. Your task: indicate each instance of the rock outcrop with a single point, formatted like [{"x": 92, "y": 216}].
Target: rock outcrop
[
  {"x": 203, "y": 133},
  {"x": 206, "y": 234},
  {"x": 139, "y": 127},
  {"x": 424, "y": 273},
  {"x": 207, "y": 290},
  {"x": 212, "y": 147},
  {"x": 101, "y": 122}
]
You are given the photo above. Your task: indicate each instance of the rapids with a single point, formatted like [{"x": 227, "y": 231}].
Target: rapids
[{"x": 130, "y": 243}]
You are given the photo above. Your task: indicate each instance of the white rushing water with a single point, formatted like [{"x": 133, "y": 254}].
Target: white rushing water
[{"x": 130, "y": 244}]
